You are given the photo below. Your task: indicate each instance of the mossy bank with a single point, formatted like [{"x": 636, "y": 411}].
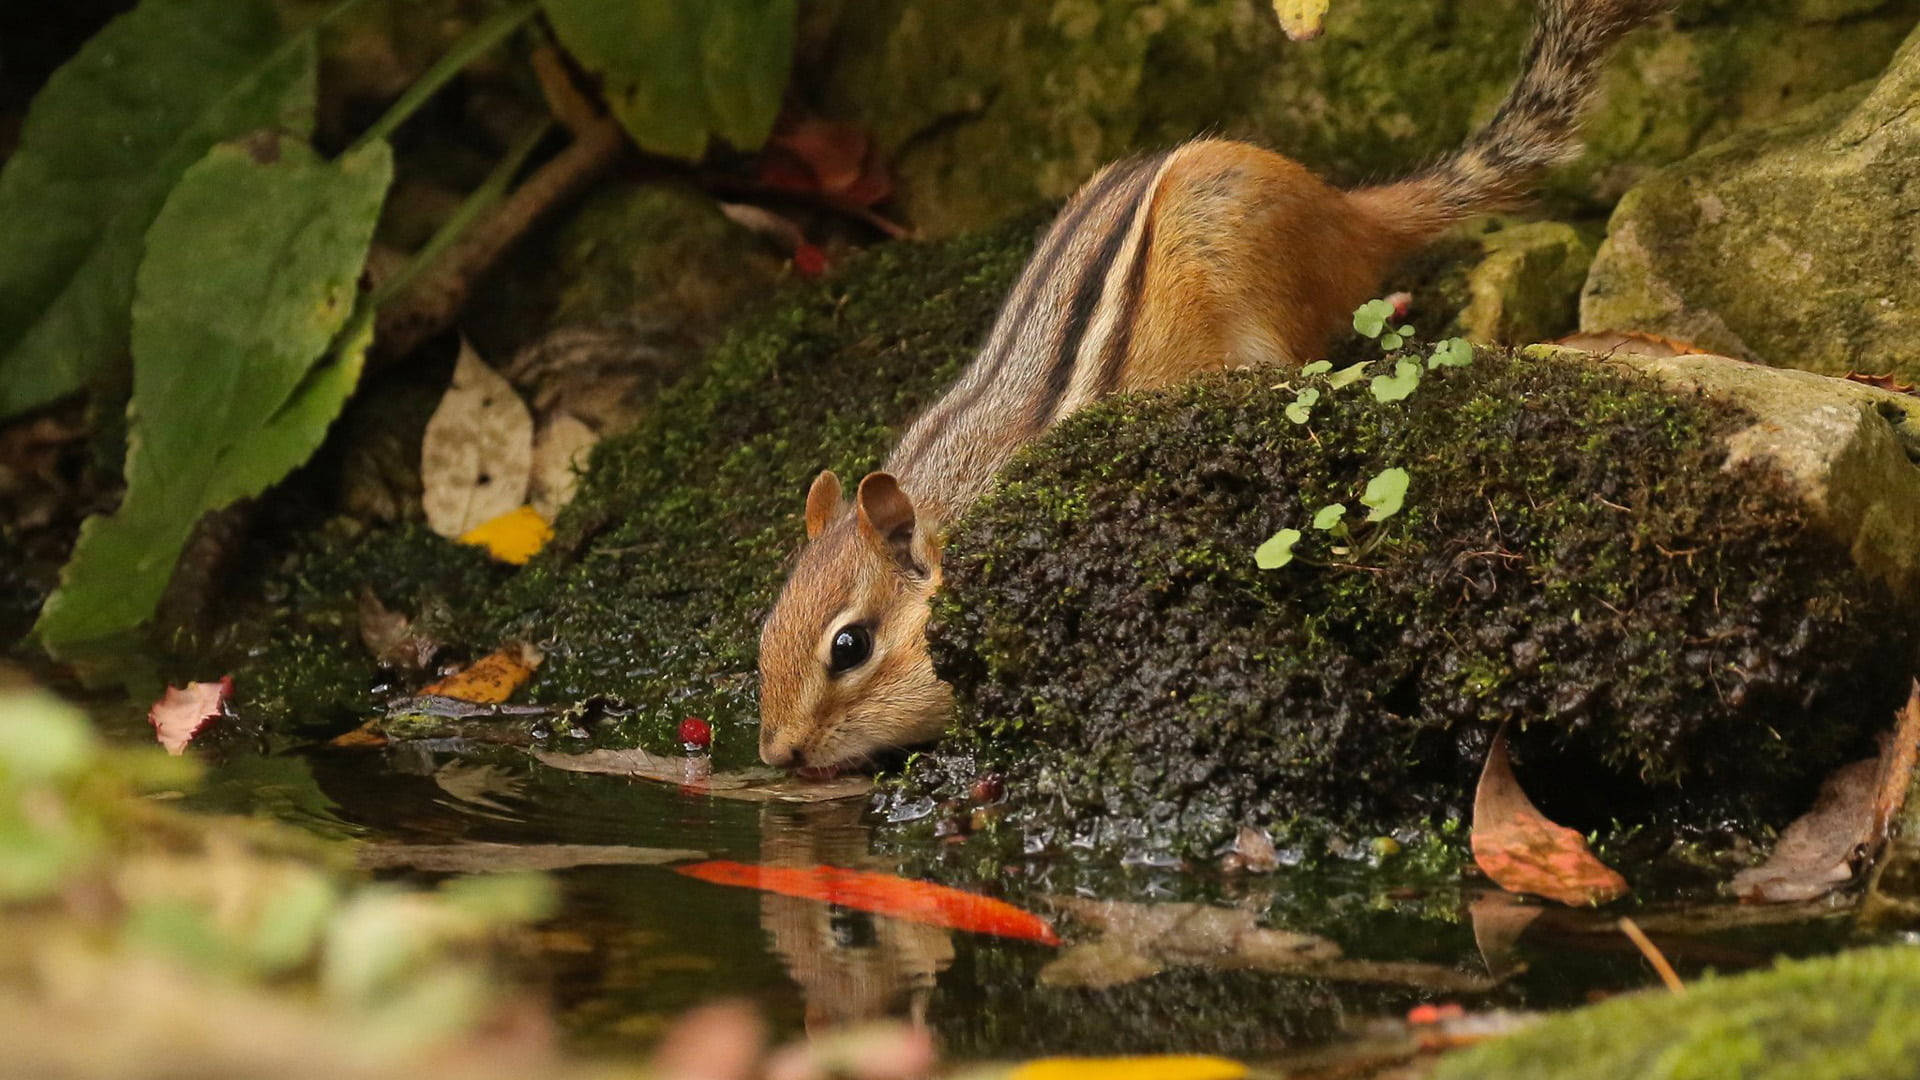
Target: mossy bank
[{"x": 1668, "y": 641}]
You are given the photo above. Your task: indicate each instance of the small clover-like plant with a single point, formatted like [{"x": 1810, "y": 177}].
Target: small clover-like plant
[
  {"x": 1277, "y": 551},
  {"x": 1327, "y": 518},
  {"x": 1318, "y": 367},
  {"x": 1453, "y": 352},
  {"x": 1370, "y": 319},
  {"x": 1394, "y": 338},
  {"x": 1385, "y": 494},
  {"x": 1347, "y": 376},
  {"x": 1402, "y": 383},
  {"x": 1302, "y": 408}
]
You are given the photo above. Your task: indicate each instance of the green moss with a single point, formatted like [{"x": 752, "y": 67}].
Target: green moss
[
  {"x": 1844, "y": 1016},
  {"x": 1666, "y": 638},
  {"x": 652, "y": 592}
]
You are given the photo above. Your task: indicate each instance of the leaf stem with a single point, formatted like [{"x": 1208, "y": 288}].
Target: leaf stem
[
  {"x": 470, "y": 209},
  {"x": 478, "y": 41}
]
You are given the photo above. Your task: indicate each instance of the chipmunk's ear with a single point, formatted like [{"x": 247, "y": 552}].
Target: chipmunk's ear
[
  {"x": 823, "y": 502},
  {"x": 887, "y": 521}
]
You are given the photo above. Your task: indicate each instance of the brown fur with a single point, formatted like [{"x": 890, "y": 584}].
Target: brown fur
[{"x": 1213, "y": 255}]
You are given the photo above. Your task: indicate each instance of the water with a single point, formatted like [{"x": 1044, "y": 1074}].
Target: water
[{"x": 1180, "y": 960}]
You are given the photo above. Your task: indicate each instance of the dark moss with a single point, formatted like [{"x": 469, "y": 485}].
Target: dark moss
[{"x": 1666, "y": 638}]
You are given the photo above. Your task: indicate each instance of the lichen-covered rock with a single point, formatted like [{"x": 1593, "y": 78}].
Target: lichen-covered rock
[
  {"x": 1843, "y": 1017},
  {"x": 1667, "y": 637},
  {"x": 1793, "y": 245},
  {"x": 996, "y": 106},
  {"x": 1527, "y": 288}
]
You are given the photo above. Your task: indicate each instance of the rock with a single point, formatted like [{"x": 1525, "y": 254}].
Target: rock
[
  {"x": 1067, "y": 85},
  {"x": 1793, "y": 245},
  {"x": 1846, "y": 451},
  {"x": 1621, "y": 569},
  {"x": 1527, "y": 288}
]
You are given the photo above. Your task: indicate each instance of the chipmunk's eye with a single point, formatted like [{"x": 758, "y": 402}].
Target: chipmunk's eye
[{"x": 851, "y": 647}]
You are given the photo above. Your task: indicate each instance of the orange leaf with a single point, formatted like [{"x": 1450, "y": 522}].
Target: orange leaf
[
  {"x": 183, "y": 712},
  {"x": 513, "y": 537},
  {"x": 1524, "y": 852},
  {"x": 491, "y": 679},
  {"x": 882, "y": 894},
  {"x": 1143, "y": 1067}
]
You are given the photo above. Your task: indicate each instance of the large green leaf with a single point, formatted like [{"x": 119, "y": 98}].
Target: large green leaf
[
  {"x": 250, "y": 273},
  {"x": 678, "y": 72},
  {"x": 101, "y": 146}
]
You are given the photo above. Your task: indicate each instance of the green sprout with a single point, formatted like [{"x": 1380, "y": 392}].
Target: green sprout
[
  {"x": 1327, "y": 518},
  {"x": 1453, "y": 352},
  {"x": 1277, "y": 551},
  {"x": 1403, "y": 381},
  {"x": 1385, "y": 494}
]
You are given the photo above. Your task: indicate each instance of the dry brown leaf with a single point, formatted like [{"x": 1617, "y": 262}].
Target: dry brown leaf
[
  {"x": 477, "y": 456},
  {"x": 1825, "y": 847},
  {"x": 560, "y": 451},
  {"x": 491, "y": 679},
  {"x": 184, "y": 712},
  {"x": 691, "y": 773},
  {"x": 1524, "y": 852}
]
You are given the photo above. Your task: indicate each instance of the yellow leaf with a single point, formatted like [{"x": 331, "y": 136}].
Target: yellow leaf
[
  {"x": 1301, "y": 19},
  {"x": 513, "y": 537},
  {"x": 1147, "y": 1067},
  {"x": 491, "y": 679}
]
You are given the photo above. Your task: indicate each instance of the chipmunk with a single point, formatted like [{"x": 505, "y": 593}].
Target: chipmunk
[{"x": 1211, "y": 255}]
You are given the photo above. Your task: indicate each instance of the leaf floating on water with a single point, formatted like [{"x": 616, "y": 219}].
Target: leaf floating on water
[
  {"x": 1524, "y": 852},
  {"x": 1825, "y": 847},
  {"x": 1141, "y": 1067},
  {"x": 181, "y": 713},
  {"x": 691, "y": 774},
  {"x": 491, "y": 679},
  {"x": 882, "y": 894}
]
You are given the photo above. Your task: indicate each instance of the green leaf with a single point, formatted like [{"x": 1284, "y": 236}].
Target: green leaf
[
  {"x": 1317, "y": 367},
  {"x": 1327, "y": 517},
  {"x": 1371, "y": 317},
  {"x": 1385, "y": 493},
  {"x": 1302, "y": 408},
  {"x": 1392, "y": 339},
  {"x": 1277, "y": 551},
  {"x": 676, "y": 72},
  {"x": 1347, "y": 376},
  {"x": 1453, "y": 352},
  {"x": 250, "y": 273},
  {"x": 1403, "y": 381},
  {"x": 102, "y": 145}
]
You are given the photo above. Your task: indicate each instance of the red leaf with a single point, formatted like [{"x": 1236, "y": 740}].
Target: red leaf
[
  {"x": 824, "y": 156},
  {"x": 182, "y": 713},
  {"x": 882, "y": 894},
  {"x": 1524, "y": 852}
]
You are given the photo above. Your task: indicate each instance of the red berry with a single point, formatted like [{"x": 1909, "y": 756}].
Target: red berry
[
  {"x": 809, "y": 261},
  {"x": 696, "y": 733}
]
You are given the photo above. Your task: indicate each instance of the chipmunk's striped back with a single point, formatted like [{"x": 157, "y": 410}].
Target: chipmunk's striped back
[{"x": 1214, "y": 254}]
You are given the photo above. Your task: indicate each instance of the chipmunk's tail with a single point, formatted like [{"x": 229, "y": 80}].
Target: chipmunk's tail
[{"x": 1537, "y": 125}]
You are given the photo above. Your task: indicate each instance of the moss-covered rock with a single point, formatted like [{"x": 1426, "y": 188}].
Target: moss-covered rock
[
  {"x": 1067, "y": 85},
  {"x": 1792, "y": 245},
  {"x": 661, "y": 570},
  {"x": 1844, "y": 1017},
  {"x": 1666, "y": 637},
  {"x": 1527, "y": 288}
]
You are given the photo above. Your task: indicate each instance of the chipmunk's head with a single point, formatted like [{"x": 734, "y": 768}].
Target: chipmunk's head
[{"x": 844, "y": 671}]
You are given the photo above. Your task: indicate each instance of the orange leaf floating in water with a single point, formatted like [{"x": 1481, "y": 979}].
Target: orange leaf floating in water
[
  {"x": 882, "y": 894},
  {"x": 1524, "y": 852},
  {"x": 183, "y": 712},
  {"x": 491, "y": 679},
  {"x": 1143, "y": 1067}
]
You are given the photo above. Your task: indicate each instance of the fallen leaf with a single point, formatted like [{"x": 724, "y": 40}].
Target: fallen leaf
[
  {"x": 1524, "y": 852},
  {"x": 1632, "y": 342},
  {"x": 561, "y": 448},
  {"x": 1301, "y": 19},
  {"x": 882, "y": 894},
  {"x": 477, "y": 455},
  {"x": 491, "y": 679},
  {"x": 1884, "y": 382},
  {"x": 1141, "y": 1067},
  {"x": 477, "y": 857},
  {"x": 689, "y": 773},
  {"x": 810, "y": 155},
  {"x": 390, "y": 637},
  {"x": 1256, "y": 850},
  {"x": 182, "y": 713},
  {"x": 1825, "y": 847},
  {"x": 1499, "y": 918},
  {"x": 513, "y": 537}
]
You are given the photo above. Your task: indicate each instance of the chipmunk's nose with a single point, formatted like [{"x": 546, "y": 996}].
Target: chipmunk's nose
[{"x": 781, "y": 753}]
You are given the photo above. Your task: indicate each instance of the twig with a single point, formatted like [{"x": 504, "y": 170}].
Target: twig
[{"x": 1653, "y": 954}]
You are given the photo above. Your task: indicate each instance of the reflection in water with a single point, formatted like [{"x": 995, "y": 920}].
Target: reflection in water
[{"x": 850, "y": 965}]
